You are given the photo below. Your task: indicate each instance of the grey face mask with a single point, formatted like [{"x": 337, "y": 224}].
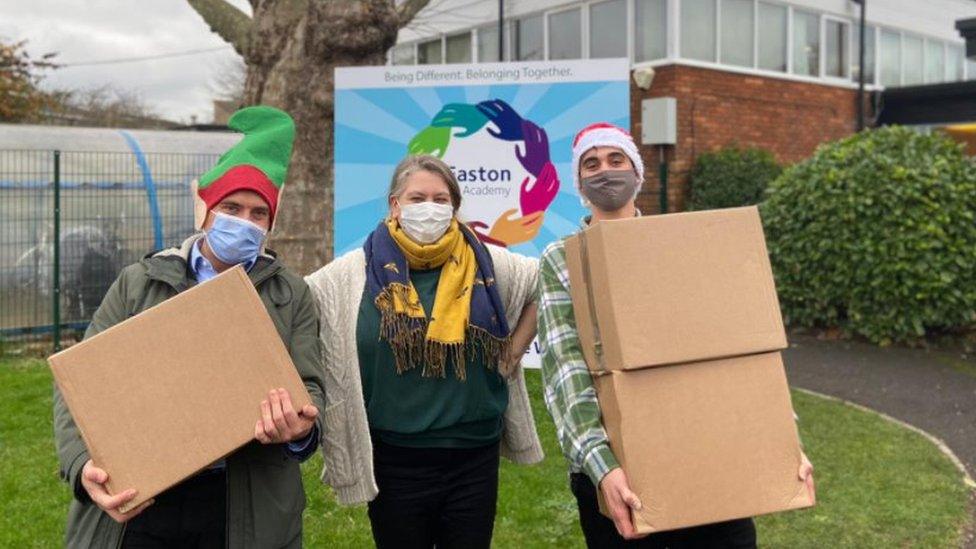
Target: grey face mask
[{"x": 610, "y": 190}]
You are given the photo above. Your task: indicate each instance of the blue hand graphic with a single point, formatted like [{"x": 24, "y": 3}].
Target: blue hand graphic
[{"x": 504, "y": 117}]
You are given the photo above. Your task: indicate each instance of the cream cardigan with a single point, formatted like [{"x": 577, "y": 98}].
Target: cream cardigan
[{"x": 338, "y": 289}]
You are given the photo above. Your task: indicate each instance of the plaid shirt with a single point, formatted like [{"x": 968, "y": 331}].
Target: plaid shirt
[{"x": 569, "y": 391}]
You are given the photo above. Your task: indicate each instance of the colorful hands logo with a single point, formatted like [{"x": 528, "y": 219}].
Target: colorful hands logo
[{"x": 536, "y": 192}]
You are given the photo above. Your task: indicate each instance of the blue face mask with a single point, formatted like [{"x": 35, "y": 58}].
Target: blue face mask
[{"x": 234, "y": 240}]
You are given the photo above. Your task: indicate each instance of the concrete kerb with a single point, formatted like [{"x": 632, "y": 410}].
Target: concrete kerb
[{"x": 942, "y": 446}]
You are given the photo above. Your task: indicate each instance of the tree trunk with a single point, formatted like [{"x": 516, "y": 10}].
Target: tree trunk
[{"x": 291, "y": 48}]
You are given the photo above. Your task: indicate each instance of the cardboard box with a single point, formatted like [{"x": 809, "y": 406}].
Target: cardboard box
[
  {"x": 705, "y": 442},
  {"x": 674, "y": 288},
  {"x": 680, "y": 325},
  {"x": 173, "y": 389}
]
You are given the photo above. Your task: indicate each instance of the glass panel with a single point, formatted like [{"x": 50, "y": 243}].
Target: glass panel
[
  {"x": 429, "y": 53},
  {"x": 488, "y": 44},
  {"x": 737, "y": 32},
  {"x": 806, "y": 43},
  {"x": 402, "y": 55},
  {"x": 606, "y": 20},
  {"x": 890, "y": 58},
  {"x": 955, "y": 63},
  {"x": 528, "y": 39},
  {"x": 914, "y": 58},
  {"x": 869, "y": 48},
  {"x": 459, "y": 48},
  {"x": 772, "y": 37},
  {"x": 651, "y": 29},
  {"x": 838, "y": 44},
  {"x": 565, "y": 35},
  {"x": 934, "y": 62},
  {"x": 698, "y": 29}
]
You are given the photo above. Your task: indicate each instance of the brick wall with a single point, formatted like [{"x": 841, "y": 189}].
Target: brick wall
[{"x": 718, "y": 108}]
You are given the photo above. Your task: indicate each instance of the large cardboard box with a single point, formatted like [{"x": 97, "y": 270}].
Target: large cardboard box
[
  {"x": 680, "y": 325},
  {"x": 674, "y": 288},
  {"x": 173, "y": 389},
  {"x": 705, "y": 442}
]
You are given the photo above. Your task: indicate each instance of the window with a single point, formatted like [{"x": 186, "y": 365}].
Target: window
[
  {"x": 737, "y": 32},
  {"x": 890, "y": 58},
  {"x": 955, "y": 63},
  {"x": 488, "y": 44},
  {"x": 837, "y": 54},
  {"x": 651, "y": 29},
  {"x": 772, "y": 37},
  {"x": 459, "y": 48},
  {"x": 934, "y": 62},
  {"x": 565, "y": 35},
  {"x": 806, "y": 43},
  {"x": 698, "y": 29},
  {"x": 606, "y": 20},
  {"x": 429, "y": 53},
  {"x": 913, "y": 59},
  {"x": 402, "y": 55},
  {"x": 869, "y": 53},
  {"x": 528, "y": 39}
]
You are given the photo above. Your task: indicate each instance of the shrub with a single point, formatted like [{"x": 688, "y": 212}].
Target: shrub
[
  {"x": 875, "y": 234},
  {"x": 732, "y": 177}
]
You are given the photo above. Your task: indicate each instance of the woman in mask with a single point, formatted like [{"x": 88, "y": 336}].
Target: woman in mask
[{"x": 423, "y": 329}]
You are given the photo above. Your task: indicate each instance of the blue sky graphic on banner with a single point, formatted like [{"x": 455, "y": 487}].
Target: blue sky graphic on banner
[{"x": 505, "y": 129}]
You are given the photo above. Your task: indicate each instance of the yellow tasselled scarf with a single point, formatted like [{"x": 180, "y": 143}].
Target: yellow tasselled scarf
[{"x": 452, "y": 305}]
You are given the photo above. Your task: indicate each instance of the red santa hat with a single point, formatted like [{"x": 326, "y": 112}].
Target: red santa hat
[{"x": 603, "y": 134}]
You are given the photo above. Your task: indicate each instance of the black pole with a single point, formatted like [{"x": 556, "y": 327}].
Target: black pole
[
  {"x": 501, "y": 30},
  {"x": 56, "y": 275},
  {"x": 860, "y": 72}
]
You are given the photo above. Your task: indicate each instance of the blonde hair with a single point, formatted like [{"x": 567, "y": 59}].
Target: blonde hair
[{"x": 426, "y": 163}]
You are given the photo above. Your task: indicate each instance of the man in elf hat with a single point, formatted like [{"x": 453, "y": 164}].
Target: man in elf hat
[
  {"x": 608, "y": 172},
  {"x": 253, "y": 497}
]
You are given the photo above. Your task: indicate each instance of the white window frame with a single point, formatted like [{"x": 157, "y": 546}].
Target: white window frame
[
  {"x": 846, "y": 72},
  {"x": 584, "y": 36}
]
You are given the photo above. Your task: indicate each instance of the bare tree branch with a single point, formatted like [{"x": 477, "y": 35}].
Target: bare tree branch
[
  {"x": 408, "y": 10},
  {"x": 230, "y": 23}
]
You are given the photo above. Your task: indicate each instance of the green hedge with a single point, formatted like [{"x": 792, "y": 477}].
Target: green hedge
[
  {"x": 731, "y": 177},
  {"x": 875, "y": 234}
]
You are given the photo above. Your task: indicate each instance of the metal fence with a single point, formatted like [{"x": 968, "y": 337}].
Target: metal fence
[{"x": 69, "y": 221}]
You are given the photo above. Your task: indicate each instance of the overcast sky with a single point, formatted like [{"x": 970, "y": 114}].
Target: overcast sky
[{"x": 97, "y": 30}]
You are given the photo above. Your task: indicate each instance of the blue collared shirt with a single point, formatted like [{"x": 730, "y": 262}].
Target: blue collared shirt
[{"x": 202, "y": 270}]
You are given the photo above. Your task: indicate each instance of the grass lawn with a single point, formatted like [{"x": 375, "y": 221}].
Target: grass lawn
[{"x": 878, "y": 485}]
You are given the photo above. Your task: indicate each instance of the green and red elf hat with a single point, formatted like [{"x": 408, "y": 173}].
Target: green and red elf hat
[{"x": 258, "y": 163}]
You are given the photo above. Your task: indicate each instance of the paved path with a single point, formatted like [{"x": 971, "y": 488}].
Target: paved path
[{"x": 932, "y": 390}]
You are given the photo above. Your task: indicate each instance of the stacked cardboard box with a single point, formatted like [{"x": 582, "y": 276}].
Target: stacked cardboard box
[{"x": 680, "y": 325}]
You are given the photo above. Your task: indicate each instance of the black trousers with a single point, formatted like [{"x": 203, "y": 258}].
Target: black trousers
[
  {"x": 600, "y": 533},
  {"x": 434, "y": 497},
  {"x": 191, "y": 514}
]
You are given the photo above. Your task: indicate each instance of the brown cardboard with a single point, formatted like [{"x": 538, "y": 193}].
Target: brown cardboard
[
  {"x": 673, "y": 288},
  {"x": 173, "y": 389},
  {"x": 705, "y": 442}
]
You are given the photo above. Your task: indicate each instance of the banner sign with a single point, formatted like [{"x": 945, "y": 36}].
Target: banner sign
[{"x": 506, "y": 130}]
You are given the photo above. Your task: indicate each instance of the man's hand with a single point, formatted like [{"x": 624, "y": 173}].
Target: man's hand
[
  {"x": 280, "y": 422},
  {"x": 806, "y": 474},
  {"x": 620, "y": 501},
  {"x": 93, "y": 480}
]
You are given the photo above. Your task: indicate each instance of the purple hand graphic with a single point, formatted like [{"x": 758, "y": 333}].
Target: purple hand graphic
[
  {"x": 504, "y": 117},
  {"x": 536, "y": 148},
  {"x": 542, "y": 193}
]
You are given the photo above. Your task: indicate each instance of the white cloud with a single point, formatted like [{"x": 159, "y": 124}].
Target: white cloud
[{"x": 95, "y": 30}]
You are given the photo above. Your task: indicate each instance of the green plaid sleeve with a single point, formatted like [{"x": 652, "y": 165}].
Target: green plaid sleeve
[{"x": 569, "y": 391}]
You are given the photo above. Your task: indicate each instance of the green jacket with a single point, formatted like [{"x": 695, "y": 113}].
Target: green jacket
[{"x": 265, "y": 496}]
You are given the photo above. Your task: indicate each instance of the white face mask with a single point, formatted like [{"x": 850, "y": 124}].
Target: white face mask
[{"x": 426, "y": 222}]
